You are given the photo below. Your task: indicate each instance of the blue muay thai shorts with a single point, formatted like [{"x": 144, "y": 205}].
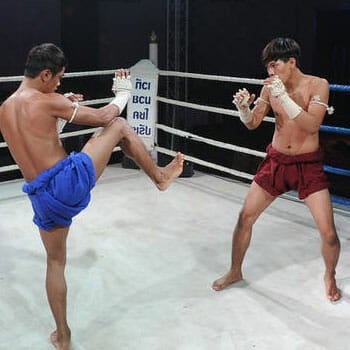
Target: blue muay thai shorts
[{"x": 59, "y": 193}]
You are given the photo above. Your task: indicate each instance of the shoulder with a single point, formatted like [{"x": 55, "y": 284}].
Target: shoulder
[
  {"x": 57, "y": 105},
  {"x": 8, "y": 104},
  {"x": 52, "y": 100},
  {"x": 316, "y": 86},
  {"x": 317, "y": 81},
  {"x": 52, "y": 97}
]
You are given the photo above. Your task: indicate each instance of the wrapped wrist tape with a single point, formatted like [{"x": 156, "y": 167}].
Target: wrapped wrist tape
[
  {"x": 122, "y": 89},
  {"x": 291, "y": 108},
  {"x": 241, "y": 102},
  {"x": 278, "y": 90},
  {"x": 245, "y": 115},
  {"x": 121, "y": 99}
]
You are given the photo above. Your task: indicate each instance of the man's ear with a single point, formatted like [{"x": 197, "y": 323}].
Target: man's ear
[
  {"x": 45, "y": 75},
  {"x": 293, "y": 61}
]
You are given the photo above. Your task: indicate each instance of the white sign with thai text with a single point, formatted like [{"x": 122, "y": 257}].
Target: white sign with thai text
[{"x": 142, "y": 106}]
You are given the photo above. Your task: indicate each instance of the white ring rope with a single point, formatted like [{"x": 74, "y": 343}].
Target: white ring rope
[
  {"x": 196, "y": 106},
  {"x": 12, "y": 167},
  {"x": 211, "y": 77},
  {"x": 96, "y": 101},
  {"x": 9, "y": 79},
  {"x": 209, "y": 141},
  {"x": 89, "y": 73},
  {"x": 9, "y": 167},
  {"x": 66, "y": 75},
  {"x": 207, "y": 164},
  {"x": 78, "y": 133}
]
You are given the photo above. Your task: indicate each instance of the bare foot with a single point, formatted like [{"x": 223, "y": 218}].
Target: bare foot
[
  {"x": 60, "y": 345},
  {"x": 170, "y": 172},
  {"x": 53, "y": 339},
  {"x": 332, "y": 291},
  {"x": 224, "y": 281}
]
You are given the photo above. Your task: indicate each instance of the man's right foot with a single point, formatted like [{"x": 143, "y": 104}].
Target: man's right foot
[
  {"x": 170, "y": 172},
  {"x": 226, "y": 280}
]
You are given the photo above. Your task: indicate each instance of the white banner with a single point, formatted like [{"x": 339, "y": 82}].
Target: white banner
[{"x": 142, "y": 106}]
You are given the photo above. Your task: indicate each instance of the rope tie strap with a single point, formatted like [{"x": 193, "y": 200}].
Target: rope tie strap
[{"x": 317, "y": 100}]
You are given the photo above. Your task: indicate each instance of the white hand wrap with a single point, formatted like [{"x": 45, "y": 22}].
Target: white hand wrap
[
  {"x": 60, "y": 124},
  {"x": 122, "y": 89},
  {"x": 240, "y": 99},
  {"x": 278, "y": 90}
]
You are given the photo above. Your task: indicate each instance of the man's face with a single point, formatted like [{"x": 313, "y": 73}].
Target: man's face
[
  {"x": 280, "y": 68},
  {"x": 274, "y": 67}
]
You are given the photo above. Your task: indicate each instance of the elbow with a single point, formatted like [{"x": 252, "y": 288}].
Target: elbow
[
  {"x": 105, "y": 116},
  {"x": 106, "y": 120},
  {"x": 312, "y": 129},
  {"x": 251, "y": 125},
  {"x": 315, "y": 130}
]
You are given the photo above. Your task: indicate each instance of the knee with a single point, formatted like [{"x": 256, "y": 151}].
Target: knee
[
  {"x": 330, "y": 237},
  {"x": 246, "y": 219},
  {"x": 125, "y": 129},
  {"x": 56, "y": 259}
]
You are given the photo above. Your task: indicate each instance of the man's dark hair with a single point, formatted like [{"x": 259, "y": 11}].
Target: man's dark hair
[
  {"x": 44, "y": 56},
  {"x": 281, "y": 49}
]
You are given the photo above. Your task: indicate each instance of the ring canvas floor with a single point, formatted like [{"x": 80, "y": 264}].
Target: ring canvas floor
[{"x": 141, "y": 263}]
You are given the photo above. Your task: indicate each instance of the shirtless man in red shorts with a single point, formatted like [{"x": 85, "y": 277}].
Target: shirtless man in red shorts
[
  {"x": 59, "y": 184},
  {"x": 294, "y": 159}
]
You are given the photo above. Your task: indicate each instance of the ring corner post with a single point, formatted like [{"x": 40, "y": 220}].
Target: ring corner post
[{"x": 142, "y": 107}]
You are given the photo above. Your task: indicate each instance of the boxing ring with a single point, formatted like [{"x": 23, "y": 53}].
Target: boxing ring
[
  {"x": 139, "y": 275},
  {"x": 343, "y": 201}
]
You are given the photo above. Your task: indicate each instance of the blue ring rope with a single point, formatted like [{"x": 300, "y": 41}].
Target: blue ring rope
[
  {"x": 335, "y": 129},
  {"x": 337, "y": 171},
  {"x": 338, "y": 130},
  {"x": 338, "y": 87},
  {"x": 340, "y": 200}
]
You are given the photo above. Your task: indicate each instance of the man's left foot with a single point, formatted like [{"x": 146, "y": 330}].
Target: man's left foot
[{"x": 332, "y": 291}]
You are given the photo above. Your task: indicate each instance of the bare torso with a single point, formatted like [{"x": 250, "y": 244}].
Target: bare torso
[
  {"x": 300, "y": 135},
  {"x": 289, "y": 137},
  {"x": 30, "y": 131}
]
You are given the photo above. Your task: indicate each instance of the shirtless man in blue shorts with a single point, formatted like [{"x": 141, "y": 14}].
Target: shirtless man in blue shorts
[{"x": 58, "y": 184}]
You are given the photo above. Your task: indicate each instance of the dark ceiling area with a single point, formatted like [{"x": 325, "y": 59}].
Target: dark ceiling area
[{"x": 219, "y": 37}]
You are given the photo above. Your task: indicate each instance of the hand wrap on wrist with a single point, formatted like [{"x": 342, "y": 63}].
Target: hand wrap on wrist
[
  {"x": 240, "y": 100},
  {"x": 122, "y": 89},
  {"x": 278, "y": 90}
]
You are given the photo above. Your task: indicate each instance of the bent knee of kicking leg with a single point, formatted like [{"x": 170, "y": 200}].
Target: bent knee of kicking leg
[{"x": 125, "y": 129}]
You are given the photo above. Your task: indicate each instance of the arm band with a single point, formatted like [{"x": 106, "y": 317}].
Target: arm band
[
  {"x": 75, "y": 110},
  {"x": 260, "y": 99},
  {"x": 62, "y": 122},
  {"x": 317, "y": 100}
]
